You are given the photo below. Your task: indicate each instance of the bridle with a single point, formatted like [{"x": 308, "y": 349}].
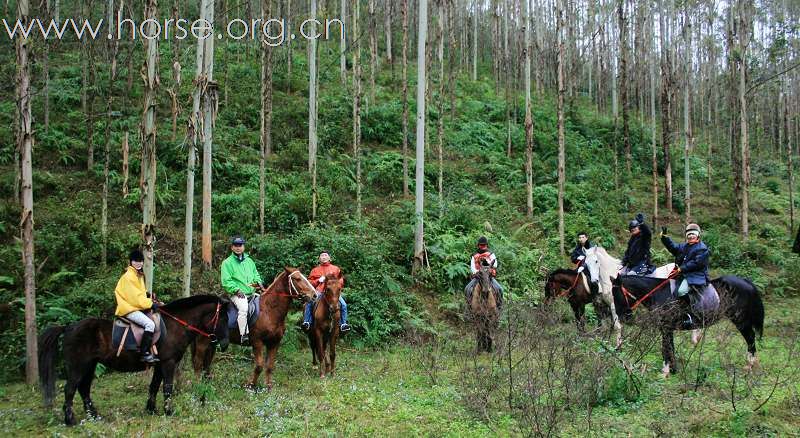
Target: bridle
[
  {"x": 294, "y": 291},
  {"x": 214, "y": 321}
]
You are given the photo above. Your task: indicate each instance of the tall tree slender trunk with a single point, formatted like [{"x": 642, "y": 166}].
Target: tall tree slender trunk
[
  {"x": 312, "y": 112},
  {"x": 373, "y": 52},
  {"x": 125, "y": 155},
  {"x": 654, "y": 131},
  {"x": 526, "y": 16},
  {"x": 148, "y": 165},
  {"x": 176, "y": 76},
  {"x": 623, "y": 89},
  {"x": 357, "y": 109},
  {"x": 343, "y": 44},
  {"x": 789, "y": 161},
  {"x": 666, "y": 102},
  {"x": 25, "y": 146},
  {"x": 687, "y": 130},
  {"x": 561, "y": 152},
  {"x": 289, "y": 46},
  {"x": 46, "y": 70},
  {"x": 387, "y": 28},
  {"x": 419, "y": 207},
  {"x": 440, "y": 107},
  {"x": 404, "y": 10},
  {"x": 266, "y": 113},
  {"x": 208, "y": 114},
  {"x": 743, "y": 32},
  {"x": 475, "y": 40},
  {"x": 113, "y": 50}
]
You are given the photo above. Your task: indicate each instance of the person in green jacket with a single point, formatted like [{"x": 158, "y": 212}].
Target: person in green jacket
[{"x": 238, "y": 273}]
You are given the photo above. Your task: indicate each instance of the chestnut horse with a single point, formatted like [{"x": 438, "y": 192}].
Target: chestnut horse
[
  {"x": 269, "y": 328},
  {"x": 483, "y": 307},
  {"x": 325, "y": 331},
  {"x": 88, "y": 342}
]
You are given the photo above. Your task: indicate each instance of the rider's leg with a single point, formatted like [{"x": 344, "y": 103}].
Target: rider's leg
[
  {"x": 139, "y": 318},
  {"x": 499, "y": 290},
  {"x": 469, "y": 288},
  {"x": 343, "y": 309},
  {"x": 241, "y": 314},
  {"x": 307, "y": 312},
  {"x": 683, "y": 294}
]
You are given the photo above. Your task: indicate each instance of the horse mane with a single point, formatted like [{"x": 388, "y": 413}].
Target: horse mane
[
  {"x": 192, "y": 301},
  {"x": 564, "y": 271},
  {"x": 638, "y": 281}
]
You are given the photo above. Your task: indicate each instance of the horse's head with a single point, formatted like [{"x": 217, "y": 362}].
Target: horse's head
[
  {"x": 551, "y": 289},
  {"x": 298, "y": 284},
  {"x": 557, "y": 282},
  {"x": 221, "y": 330},
  {"x": 485, "y": 278},
  {"x": 333, "y": 290}
]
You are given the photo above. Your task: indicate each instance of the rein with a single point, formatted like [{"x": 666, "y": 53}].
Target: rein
[
  {"x": 626, "y": 293},
  {"x": 294, "y": 291},
  {"x": 566, "y": 292},
  {"x": 188, "y": 326}
]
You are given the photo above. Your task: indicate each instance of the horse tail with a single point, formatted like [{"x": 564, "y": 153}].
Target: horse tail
[
  {"x": 48, "y": 349},
  {"x": 750, "y": 296},
  {"x": 756, "y": 310}
]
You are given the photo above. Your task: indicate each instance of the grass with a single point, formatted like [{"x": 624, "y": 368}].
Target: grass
[{"x": 390, "y": 392}]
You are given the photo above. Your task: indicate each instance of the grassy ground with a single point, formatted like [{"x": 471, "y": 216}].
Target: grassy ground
[{"x": 391, "y": 392}]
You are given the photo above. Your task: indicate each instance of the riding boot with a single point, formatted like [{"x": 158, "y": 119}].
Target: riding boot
[
  {"x": 144, "y": 348},
  {"x": 686, "y": 303}
]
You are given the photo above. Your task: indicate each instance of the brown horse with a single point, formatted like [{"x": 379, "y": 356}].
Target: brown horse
[
  {"x": 88, "y": 342},
  {"x": 269, "y": 328},
  {"x": 483, "y": 307},
  {"x": 325, "y": 331},
  {"x": 568, "y": 283}
]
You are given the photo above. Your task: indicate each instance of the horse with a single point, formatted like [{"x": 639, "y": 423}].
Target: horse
[
  {"x": 269, "y": 328},
  {"x": 483, "y": 306},
  {"x": 740, "y": 302},
  {"x": 580, "y": 290},
  {"x": 325, "y": 331},
  {"x": 88, "y": 342}
]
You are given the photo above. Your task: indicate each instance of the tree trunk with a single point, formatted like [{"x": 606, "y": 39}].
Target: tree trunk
[
  {"x": 623, "y": 89},
  {"x": 373, "y": 52},
  {"x": 789, "y": 162},
  {"x": 266, "y": 113},
  {"x": 745, "y": 24},
  {"x": 653, "y": 120},
  {"x": 206, "y": 117},
  {"x": 475, "y": 40},
  {"x": 388, "y": 31},
  {"x": 528, "y": 116},
  {"x": 357, "y": 109},
  {"x": 125, "y": 152},
  {"x": 404, "y": 10},
  {"x": 687, "y": 130},
  {"x": 343, "y": 45},
  {"x": 561, "y": 152},
  {"x": 312, "y": 112},
  {"x": 666, "y": 102},
  {"x": 113, "y": 50},
  {"x": 148, "y": 135},
  {"x": 289, "y": 46},
  {"x": 25, "y": 146},
  {"x": 440, "y": 109},
  {"x": 419, "y": 243}
]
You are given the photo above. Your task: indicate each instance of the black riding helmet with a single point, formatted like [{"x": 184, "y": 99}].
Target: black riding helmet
[
  {"x": 136, "y": 255},
  {"x": 633, "y": 224},
  {"x": 483, "y": 240}
]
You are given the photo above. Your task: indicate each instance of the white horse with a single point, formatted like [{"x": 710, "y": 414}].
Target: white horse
[{"x": 603, "y": 269}]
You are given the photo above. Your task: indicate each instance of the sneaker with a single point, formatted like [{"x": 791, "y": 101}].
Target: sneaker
[
  {"x": 245, "y": 339},
  {"x": 148, "y": 358},
  {"x": 306, "y": 325},
  {"x": 344, "y": 328}
]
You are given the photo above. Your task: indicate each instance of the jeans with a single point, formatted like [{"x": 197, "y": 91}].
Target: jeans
[
  {"x": 310, "y": 307},
  {"x": 471, "y": 286},
  {"x": 241, "y": 314},
  {"x": 139, "y": 318}
]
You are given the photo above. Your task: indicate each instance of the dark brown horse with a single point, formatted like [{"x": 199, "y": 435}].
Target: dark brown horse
[
  {"x": 484, "y": 310},
  {"x": 324, "y": 332},
  {"x": 88, "y": 342},
  {"x": 269, "y": 328},
  {"x": 573, "y": 286}
]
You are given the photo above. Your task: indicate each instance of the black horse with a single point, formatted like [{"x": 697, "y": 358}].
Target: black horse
[
  {"x": 88, "y": 342},
  {"x": 740, "y": 302}
]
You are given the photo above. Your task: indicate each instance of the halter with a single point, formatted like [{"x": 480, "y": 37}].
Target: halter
[
  {"x": 214, "y": 321},
  {"x": 294, "y": 292}
]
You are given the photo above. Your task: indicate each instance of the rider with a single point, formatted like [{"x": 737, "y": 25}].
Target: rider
[
  {"x": 636, "y": 260},
  {"x": 132, "y": 302},
  {"x": 317, "y": 277},
  {"x": 475, "y": 266},
  {"x": 691, "y": 263},
  {"x": 578, "y": 255},
  {"x": 238, "y": 272}
]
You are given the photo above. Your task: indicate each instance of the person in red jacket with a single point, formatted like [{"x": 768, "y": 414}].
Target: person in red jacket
[{"x": 317, "y": 277}]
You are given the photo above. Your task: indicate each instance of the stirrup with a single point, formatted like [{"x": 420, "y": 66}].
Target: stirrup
[{"x": 149, "y": 358}]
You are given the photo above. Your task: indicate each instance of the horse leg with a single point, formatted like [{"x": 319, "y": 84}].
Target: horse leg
[
  {"x": 312, "y": 346},
  {"x": 208, "y": 358},
  {"x": 578, "y": 310},
  {"x": 258, "y": 358},
  {"x": 323, "y": 361},
  {"x": 168, "y": 370},
  {"x": 155, "y": 383},
  {"x": 668, "y": 352},
  {"x": 84, "y": 388},
  {"x": 332, "y": 352},
  {"x": 750, "y": 337},
  {"x": 271, "y": 354},
  {"x": 198, "y": 357},
  {"x": 69, "y": 395}
]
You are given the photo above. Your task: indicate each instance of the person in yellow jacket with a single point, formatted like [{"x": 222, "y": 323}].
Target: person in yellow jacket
[{"x": 132, "y": 301}]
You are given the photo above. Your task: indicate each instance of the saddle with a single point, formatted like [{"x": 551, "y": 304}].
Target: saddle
[
  {"x": 253, "y": 308},
  {"x": 706, "y": 302},
  {"x": 127, "y": 335}
]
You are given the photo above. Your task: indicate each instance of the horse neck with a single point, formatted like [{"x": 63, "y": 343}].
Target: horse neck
[
  {"x": 198, "y": 317},
  {"x": 566, "y": 279},
  {"x": 276, "y": 297}
]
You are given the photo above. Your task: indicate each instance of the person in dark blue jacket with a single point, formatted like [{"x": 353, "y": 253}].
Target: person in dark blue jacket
[
  {"x": 691, "y": 260},
  {"x": 636, "y": 260},
  {"x": 579, "y": 253}
]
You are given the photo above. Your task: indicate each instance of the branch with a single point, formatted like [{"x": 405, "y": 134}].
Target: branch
[{"x": 765, "y": 80}]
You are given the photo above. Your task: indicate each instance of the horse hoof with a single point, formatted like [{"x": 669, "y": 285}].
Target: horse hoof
[{"x": 169, "y": 412}]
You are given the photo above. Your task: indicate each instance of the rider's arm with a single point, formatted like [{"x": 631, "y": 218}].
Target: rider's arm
[
  {"x": 671, "y": 247},
  {"x": 256, "y": 277},
  {"x": 472, "y": 269},
  {"x": 229, "y": 284},
  {"x": 493, "y": 261},
  {"x": 697, "y": 263},
  {"x": 645, "y": 230},
  {"x": 133, "y": 294}
]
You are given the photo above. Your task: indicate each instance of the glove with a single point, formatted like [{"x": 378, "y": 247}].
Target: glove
[
  {"x": 640, "y": 218},
  {"x": 239, "y": 294},
  {"x": 663, "y": 232},
  {"x": 581, "y": 257},
  {"x": 322, "y": 279}
]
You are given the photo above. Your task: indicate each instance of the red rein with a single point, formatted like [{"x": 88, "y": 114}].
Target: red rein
[
  {"x": 188, "y": 326},
  {"x": 626, "y": 293}
]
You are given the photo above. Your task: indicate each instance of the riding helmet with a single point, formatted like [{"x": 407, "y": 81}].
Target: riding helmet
[
  {"x": 483, "y": 240},
  {"x": 136, "y": 255}
]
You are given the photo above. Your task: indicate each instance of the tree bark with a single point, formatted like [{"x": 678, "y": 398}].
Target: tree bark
[
  {"x": 373, "y": 52},
  {"x": 440, "y": 101},
  {"x": 475, "y": 40},
  {"x": 357, "y": 109},
  {"x": 623, "y": 89},
  {"x": 687, "y": 130},
  {"x": 113, "y": 50},
  {"x": 528, "y": 115},
  {"x": 745, "y": 24},
  {"x": 266, "y": 114},
  {"x": 666, "y": 102},
  {"x": 148, "y": 136},
  {"x": 206, "y": 117},
  {"x": 312, "y": 112},
  {"x": 404, "y": 10},
  {"x": 419, "y": 242},
  {"x": 25, "y": 146},
  {"x": 561, "y": 152},
  {"x": 343, "y": 45}
]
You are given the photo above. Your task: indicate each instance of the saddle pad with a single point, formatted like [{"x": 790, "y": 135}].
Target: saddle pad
[
  {"x": 707, "y": 302},
  {"x": 662, "y": 272},
  {"x": 253, "y": 308},
  {"x": 132, "y": 342}
]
